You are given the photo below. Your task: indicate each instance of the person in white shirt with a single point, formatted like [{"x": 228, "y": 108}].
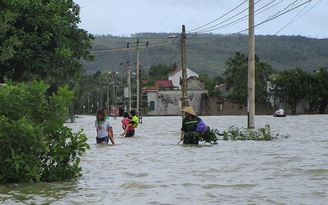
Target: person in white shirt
[{"x": 104, "y": 129}]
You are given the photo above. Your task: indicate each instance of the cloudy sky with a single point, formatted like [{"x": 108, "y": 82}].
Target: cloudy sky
[{"x": 272, "y": 17}]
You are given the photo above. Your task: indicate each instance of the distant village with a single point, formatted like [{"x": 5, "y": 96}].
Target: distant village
[{"x": 164, "y": 98}]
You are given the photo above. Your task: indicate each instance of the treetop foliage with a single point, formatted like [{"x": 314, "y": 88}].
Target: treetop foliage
[{"x": 41, "y": 40}]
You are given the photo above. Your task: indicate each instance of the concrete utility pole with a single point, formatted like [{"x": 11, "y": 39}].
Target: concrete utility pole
[
  {"x": 114, "y": 77},
  {"x": 107, "y": 93},
  {"x": 129, "y": 88},
  {"x": 251, "y": 67},
  {"x": 184, "y": 98},
  {"x": 138, "y": 77}
]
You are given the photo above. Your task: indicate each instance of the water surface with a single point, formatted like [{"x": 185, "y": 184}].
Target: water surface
[{"x": 151, "y": 168}]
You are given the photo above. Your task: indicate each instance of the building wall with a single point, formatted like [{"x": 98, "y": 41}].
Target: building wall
[
  {"x": 178, "y": 75},
  {"x": 216, "y": 106},
  {"x": 166, "y": 102},
  {"x": 169, "y": 102}
]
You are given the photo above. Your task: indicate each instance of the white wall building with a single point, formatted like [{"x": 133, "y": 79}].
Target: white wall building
[{"x": 177, "y": 75}]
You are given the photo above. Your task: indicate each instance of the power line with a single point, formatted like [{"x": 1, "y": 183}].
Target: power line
[
  {"x": 266, "y": 7},
  {"x": 133, "y": 47},
  {"x": 297, "y": 17},
  {"x": 214, "y": 27},
  {"x": 177, "y": 15},
  {"x": 199, "y": 12},
  {"x": 195, "y": 29},
  {"x": 167, "y": 15}
]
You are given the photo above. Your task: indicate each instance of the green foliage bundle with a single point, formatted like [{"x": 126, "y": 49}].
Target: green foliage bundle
[
  {"x": 35, "y": 145},
  {"x": 210, "y": 135},
  {"x": 262, "y": 134}
]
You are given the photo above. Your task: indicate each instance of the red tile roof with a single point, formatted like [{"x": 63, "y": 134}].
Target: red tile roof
[{"x": 164, "y": 83}]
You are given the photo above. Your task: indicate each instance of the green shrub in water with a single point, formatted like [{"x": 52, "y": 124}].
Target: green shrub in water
[
  {"x": 35, "y": 145},
  {"x": 263, "y": 134},
  {"x": 210, "y": 135}
]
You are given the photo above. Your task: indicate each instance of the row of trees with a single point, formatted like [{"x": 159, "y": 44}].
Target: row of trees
[
  {"x": 289, "y": 86},
  {"x": 295, "y": 85}
]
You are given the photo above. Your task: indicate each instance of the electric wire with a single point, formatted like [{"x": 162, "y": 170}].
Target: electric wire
[
  {"x": 231, "y": 36},
  {"x": 176, "y": 15},
  {"x": 278, "y": 14},
  {"x": 167, "y": 15},
  {"x": 195, "y": 29},
  {"x": 132, "y": 47},
  {"x": 297, "y": 17},
  {"x": 198, "y": 12},
  {"x": 243, "y": 18}
]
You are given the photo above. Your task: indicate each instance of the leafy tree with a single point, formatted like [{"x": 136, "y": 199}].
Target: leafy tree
[
  {"x": 316, "y": 90},
  {"x": 236, "y": 78},
  {"x": 210, "y": 83},
  {"x": 158, "y": 72},
  {"x": 321, "y": 77},
  {"x": 290, "y": 86},
  {"x": 35, "y": 144},
  {"x": 40, "y": 39}
]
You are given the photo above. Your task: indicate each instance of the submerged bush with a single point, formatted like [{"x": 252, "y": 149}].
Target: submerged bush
[
  {"x": 264, "y": 134},
  {"x": 210, "y": 135},
  {"x": 35, "y": 144}
]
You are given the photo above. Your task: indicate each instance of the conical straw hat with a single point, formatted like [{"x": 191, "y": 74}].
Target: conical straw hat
[{"x": 189, "y": 110}]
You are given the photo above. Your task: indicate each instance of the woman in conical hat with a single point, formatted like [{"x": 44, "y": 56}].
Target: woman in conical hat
[{"x": 189, "y": 125}]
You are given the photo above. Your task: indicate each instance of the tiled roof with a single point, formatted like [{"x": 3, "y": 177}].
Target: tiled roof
[{"x": 164, "y": 83}]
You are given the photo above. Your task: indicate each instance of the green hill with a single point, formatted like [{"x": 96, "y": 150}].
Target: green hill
[{"x": 205, "y": 53}]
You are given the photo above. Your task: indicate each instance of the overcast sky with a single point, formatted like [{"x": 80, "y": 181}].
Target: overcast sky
[{"x": 272, "y": 17}]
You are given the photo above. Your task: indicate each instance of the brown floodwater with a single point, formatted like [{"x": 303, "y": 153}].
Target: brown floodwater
[{"x": 151, "y": 168}]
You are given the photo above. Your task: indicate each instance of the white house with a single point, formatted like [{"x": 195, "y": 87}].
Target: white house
[{"x": 177, "y": 75}]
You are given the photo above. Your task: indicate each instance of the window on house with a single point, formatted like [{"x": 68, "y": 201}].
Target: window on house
[{"x": 152, "y": 105}]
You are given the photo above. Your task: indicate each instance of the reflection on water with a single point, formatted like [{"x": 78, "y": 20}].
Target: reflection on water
[{"x": 151, "y": 168}]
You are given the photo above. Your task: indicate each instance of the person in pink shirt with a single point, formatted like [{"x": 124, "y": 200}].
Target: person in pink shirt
[{"x": 126, "y": 125}]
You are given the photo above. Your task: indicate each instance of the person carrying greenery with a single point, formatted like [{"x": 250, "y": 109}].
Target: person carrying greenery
[{"x": 189, "y": 133}]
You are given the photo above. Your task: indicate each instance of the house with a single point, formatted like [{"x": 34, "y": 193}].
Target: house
[
  {"x": 176, "y": 76},
  {"x": 164, "y": 84},
  {"x": 167, "y": 100}
]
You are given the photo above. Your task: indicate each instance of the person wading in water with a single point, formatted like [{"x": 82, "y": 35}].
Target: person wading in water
[{"x": 189, "y": 125}]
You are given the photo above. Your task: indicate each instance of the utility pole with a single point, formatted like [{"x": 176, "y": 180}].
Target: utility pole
[
  {"x": 251, "y": 67},
  {"x": 107, "y": 93},
  {"x": 129, "y": 88},
  {"x": 138, "y": 77},
  {"x": 114, "y": 76},
  {"x": 184, "y": 98}
]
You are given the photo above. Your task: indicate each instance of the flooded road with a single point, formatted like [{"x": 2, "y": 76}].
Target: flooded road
[{"x": 151, "y": 168}]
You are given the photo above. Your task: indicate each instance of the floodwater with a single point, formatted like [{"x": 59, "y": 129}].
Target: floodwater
[{"x": 151, "y": 168}]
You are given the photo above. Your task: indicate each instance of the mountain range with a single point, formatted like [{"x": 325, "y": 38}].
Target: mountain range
[{"x": 205, "y": 53}]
